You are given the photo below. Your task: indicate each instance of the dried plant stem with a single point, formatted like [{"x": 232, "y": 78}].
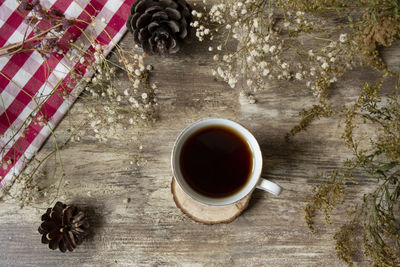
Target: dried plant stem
[{"x": 20, "y": 45}]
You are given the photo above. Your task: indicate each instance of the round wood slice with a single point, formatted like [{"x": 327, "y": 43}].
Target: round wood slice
[{"x": 205, "y": 213}]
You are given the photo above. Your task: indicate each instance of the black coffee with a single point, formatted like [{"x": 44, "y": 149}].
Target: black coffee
[{"x": 216, "y": 161}]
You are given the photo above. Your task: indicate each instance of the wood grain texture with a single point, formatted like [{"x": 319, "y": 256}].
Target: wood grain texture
[
  {"x": 150, "y": 230},
  {"x": 205, "y": 213}
]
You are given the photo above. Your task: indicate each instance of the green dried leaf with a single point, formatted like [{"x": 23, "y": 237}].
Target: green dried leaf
[
  {"x": 374, "y": 212},
  {"x": 387, "y": 196},
  {"x": 386, "y": 167},
  {"x": 350, "y": 18}
]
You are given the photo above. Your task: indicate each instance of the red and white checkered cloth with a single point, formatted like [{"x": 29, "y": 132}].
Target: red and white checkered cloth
[{"x": 38, "y": 79}]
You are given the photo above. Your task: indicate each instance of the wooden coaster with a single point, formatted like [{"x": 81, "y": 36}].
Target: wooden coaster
[{"x": 205, "y": 213}]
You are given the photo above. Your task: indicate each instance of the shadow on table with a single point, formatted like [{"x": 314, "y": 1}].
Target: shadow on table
[
  {"x": 94, "y": 216},
  {"x": 279, "y": 156}
]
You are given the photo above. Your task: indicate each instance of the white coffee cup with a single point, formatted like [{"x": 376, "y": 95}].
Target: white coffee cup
[{"x": 254, "y": 181}]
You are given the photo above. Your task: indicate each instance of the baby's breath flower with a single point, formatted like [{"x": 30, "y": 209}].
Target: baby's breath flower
[
  {"x": 136, "y": 83},
  {"x": 343, "y": 37},
  {"x": 130, "y": 68}
]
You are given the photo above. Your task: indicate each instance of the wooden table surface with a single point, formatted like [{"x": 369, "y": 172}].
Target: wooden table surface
[{"x": 150, "y": 229}]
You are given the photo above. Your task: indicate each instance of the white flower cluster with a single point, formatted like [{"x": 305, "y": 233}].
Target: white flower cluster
[
  {"x": 266, "y": 47},
  {"x": 259, "y": 44},
  {"x": 329, "y": 63},
  {"x": 118, "y": 105},
  {"x": 297, "y": 21},
  {"x": 201, "y": 31},
  {"x": 217, "y": 13}
]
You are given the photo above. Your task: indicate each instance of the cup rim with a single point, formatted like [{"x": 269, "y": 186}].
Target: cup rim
[{"x": 255, "y": 174}]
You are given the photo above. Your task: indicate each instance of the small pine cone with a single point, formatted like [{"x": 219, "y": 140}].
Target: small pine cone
[
  {"x": 159, "y": 26},
  {"x": 63, "y": 227}
]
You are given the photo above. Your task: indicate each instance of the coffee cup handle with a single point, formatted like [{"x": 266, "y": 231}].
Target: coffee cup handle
[{"x": 270, "y": 187}]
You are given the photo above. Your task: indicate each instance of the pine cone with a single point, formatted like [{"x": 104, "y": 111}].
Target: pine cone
[
  {"x": 159, "y": 26},
  {"x": 63, "y": 227}
]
